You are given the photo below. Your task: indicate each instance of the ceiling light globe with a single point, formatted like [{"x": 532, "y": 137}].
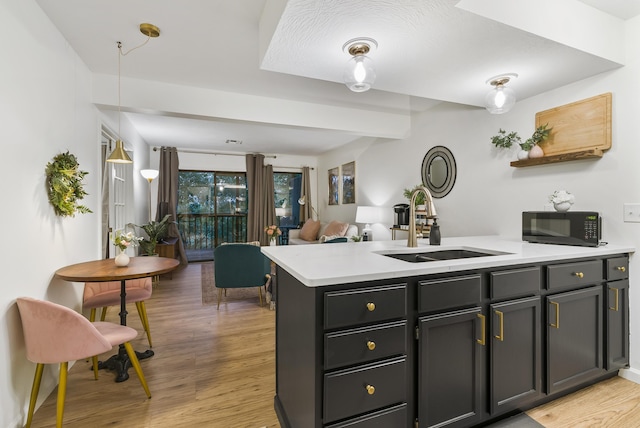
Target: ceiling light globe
[
  {"x": 500, "y": 99},
  {"x": 359, "y": 74}
]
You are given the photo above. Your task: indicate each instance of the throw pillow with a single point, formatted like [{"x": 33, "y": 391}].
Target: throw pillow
[
  {"x": 336, "y": 228},
  {"x": 309, "y": 231}
]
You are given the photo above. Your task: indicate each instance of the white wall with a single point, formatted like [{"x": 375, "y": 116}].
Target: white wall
[
  {"x": 46, "y": 109},
  {"x": 489, "y": 195}
]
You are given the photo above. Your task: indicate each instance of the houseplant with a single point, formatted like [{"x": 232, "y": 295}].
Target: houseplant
[
  {"x": 540, "y": 134},
  {"x": 505, "y": 141},
  {"x": 64, "y": 185},
  {"x": 156, "y": 231},
  {"x": 419, "y": 197}
]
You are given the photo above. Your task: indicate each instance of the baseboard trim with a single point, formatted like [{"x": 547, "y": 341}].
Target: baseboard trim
[{"x": 631, "y": 374}]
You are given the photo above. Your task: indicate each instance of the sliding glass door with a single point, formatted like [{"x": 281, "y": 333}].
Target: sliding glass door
[{"x": 212, "y": 209}]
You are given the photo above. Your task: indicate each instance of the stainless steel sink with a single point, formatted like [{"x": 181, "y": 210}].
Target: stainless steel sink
[{"x": 439, "y": 255}]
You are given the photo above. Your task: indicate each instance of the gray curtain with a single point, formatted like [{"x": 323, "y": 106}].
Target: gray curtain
[
  {"x": 168, "y": 193},
  {"x": 269, "y": 203},
  {"x": 261, "y": 210},
  {"x": 305, "y": 190}
]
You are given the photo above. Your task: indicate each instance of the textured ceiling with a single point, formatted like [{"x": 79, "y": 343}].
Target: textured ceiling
[{"x": 291, "y": 51}]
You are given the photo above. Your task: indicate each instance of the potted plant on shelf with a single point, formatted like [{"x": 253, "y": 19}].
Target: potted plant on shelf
[
  {"x": 540, "y": 134},
  {"x": 156, "y": 231},
  {"x": 420, "y": 202},
  {"x": 529, "y": 148}
]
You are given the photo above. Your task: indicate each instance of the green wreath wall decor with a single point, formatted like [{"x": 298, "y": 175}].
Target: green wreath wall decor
[{"x": 64, "y": 185}]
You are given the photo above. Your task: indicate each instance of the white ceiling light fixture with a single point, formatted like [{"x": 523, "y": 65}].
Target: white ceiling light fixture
[
  {"x": 501, "y": 98},
  {"x": 119, "y": 155},
  {"x": 359, "y": 74}
]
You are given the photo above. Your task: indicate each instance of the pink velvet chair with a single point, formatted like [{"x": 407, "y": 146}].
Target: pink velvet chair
[
  {"x": 105, "y": 294},
  {"x": 56, "y": 334}
]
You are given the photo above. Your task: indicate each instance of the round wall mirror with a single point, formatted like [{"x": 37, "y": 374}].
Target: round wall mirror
[{"x": 439, "y": 171}]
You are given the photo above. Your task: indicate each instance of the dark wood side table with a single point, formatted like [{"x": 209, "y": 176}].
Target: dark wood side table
[
  {"x": 106, "y": 270},
  {"x": 167, "y": 248}
]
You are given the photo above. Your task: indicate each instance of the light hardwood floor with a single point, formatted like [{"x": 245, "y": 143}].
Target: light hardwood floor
[{"x": 216, "y": 369}]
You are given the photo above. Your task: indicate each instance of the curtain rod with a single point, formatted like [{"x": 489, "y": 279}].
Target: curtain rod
[{"x": 207, "y": 152}]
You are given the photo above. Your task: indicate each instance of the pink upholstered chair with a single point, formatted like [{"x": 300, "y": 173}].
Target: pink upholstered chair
[
  {"x": 56, "y": 334},
  {"x": 105, "y": 294}
]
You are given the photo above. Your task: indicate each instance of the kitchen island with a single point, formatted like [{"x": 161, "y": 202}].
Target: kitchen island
[{"x": 366, "y": 339}]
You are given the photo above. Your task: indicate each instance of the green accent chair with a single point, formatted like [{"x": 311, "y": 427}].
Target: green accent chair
[{"x": 239, "y": 266}]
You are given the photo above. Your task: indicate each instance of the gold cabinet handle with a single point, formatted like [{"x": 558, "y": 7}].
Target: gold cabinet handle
[
  {"x": 500, "y": 336},
  {"x": 371, "y": 306},
  {"x": 483, "y": 321},
  {"x": 621, "y": 268},
  {"x": 617, "y": 293},
  {"x": 579, "y": 274},
  {"x": 371, "y": 345},
  {"x": 370, "y": 389},
  {"x": 557, "y": 324}
]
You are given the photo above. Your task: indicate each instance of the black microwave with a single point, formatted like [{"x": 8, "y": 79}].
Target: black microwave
[{"x": 583, "y": 228}]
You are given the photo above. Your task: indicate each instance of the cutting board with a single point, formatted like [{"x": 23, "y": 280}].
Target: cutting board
[{"x": 578, "y": 126}]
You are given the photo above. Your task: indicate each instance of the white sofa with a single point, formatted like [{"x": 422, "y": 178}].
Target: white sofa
[{"x": 294, "y": 234}]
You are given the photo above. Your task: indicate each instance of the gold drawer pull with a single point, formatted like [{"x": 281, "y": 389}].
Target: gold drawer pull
[
  {"x": 579, "y": 274},
  {"x": 483, "y": 338},
  {"x": 617, "y": 293},
  {"x": 557, "y": 324},
  {"x": 500, "y": 336},
  {"x": 621, "y": 268},
  {"x": 371, "y": 389},
  {"x": 371, "y": 306},
  {"x": 371, "y": 345}
]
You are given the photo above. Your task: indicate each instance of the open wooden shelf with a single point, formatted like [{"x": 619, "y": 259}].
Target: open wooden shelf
[
  {"x": 579, "y": 130},
  {"x": 565, "y": 157}
]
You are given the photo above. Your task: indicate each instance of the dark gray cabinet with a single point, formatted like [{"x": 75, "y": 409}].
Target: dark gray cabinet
[
  {"x": 515, "y": 354},
  {"x": 449, "y": 350},
  {"x": 574, "y": 337},
  {"x": 450, "y": 369},
  {"x": 617, "y": 313}
]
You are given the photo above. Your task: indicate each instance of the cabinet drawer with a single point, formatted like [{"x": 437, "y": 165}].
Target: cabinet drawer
[
  {"x": 574, "y": 274},
  {"x": 618, "y": 268},
  {"x": 365, "y": 344},
  {"x": 364, "y": 305},
  {"x": 515, "y": 283},
  {"x": 449, "y": 293},
  {"x": 395, "y": 416},
  {"x": 364, "y": 388}
]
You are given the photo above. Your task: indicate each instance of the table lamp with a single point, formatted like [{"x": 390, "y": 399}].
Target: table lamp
[{"x": 368, "y": 215}]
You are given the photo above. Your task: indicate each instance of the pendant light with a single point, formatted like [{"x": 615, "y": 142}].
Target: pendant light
[
  {"x": 119, "y": 155},
  {"x": 501, "y": 98},
  {"x": 359, "y": 73}
]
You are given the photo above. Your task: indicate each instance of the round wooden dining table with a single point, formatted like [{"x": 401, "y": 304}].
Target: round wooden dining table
[{"x": 106, "y": 270}]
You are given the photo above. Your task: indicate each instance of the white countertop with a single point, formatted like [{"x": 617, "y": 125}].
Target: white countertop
[{"x": 316, "y": 265}]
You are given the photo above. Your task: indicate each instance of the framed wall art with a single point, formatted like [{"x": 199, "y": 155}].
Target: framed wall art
[
  {"x": 334, "y": 178},
  {"x": 349, "y": 183}
]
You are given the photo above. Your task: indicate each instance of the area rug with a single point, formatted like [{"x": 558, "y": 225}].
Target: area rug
[{"x": 210, "y": 292}]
